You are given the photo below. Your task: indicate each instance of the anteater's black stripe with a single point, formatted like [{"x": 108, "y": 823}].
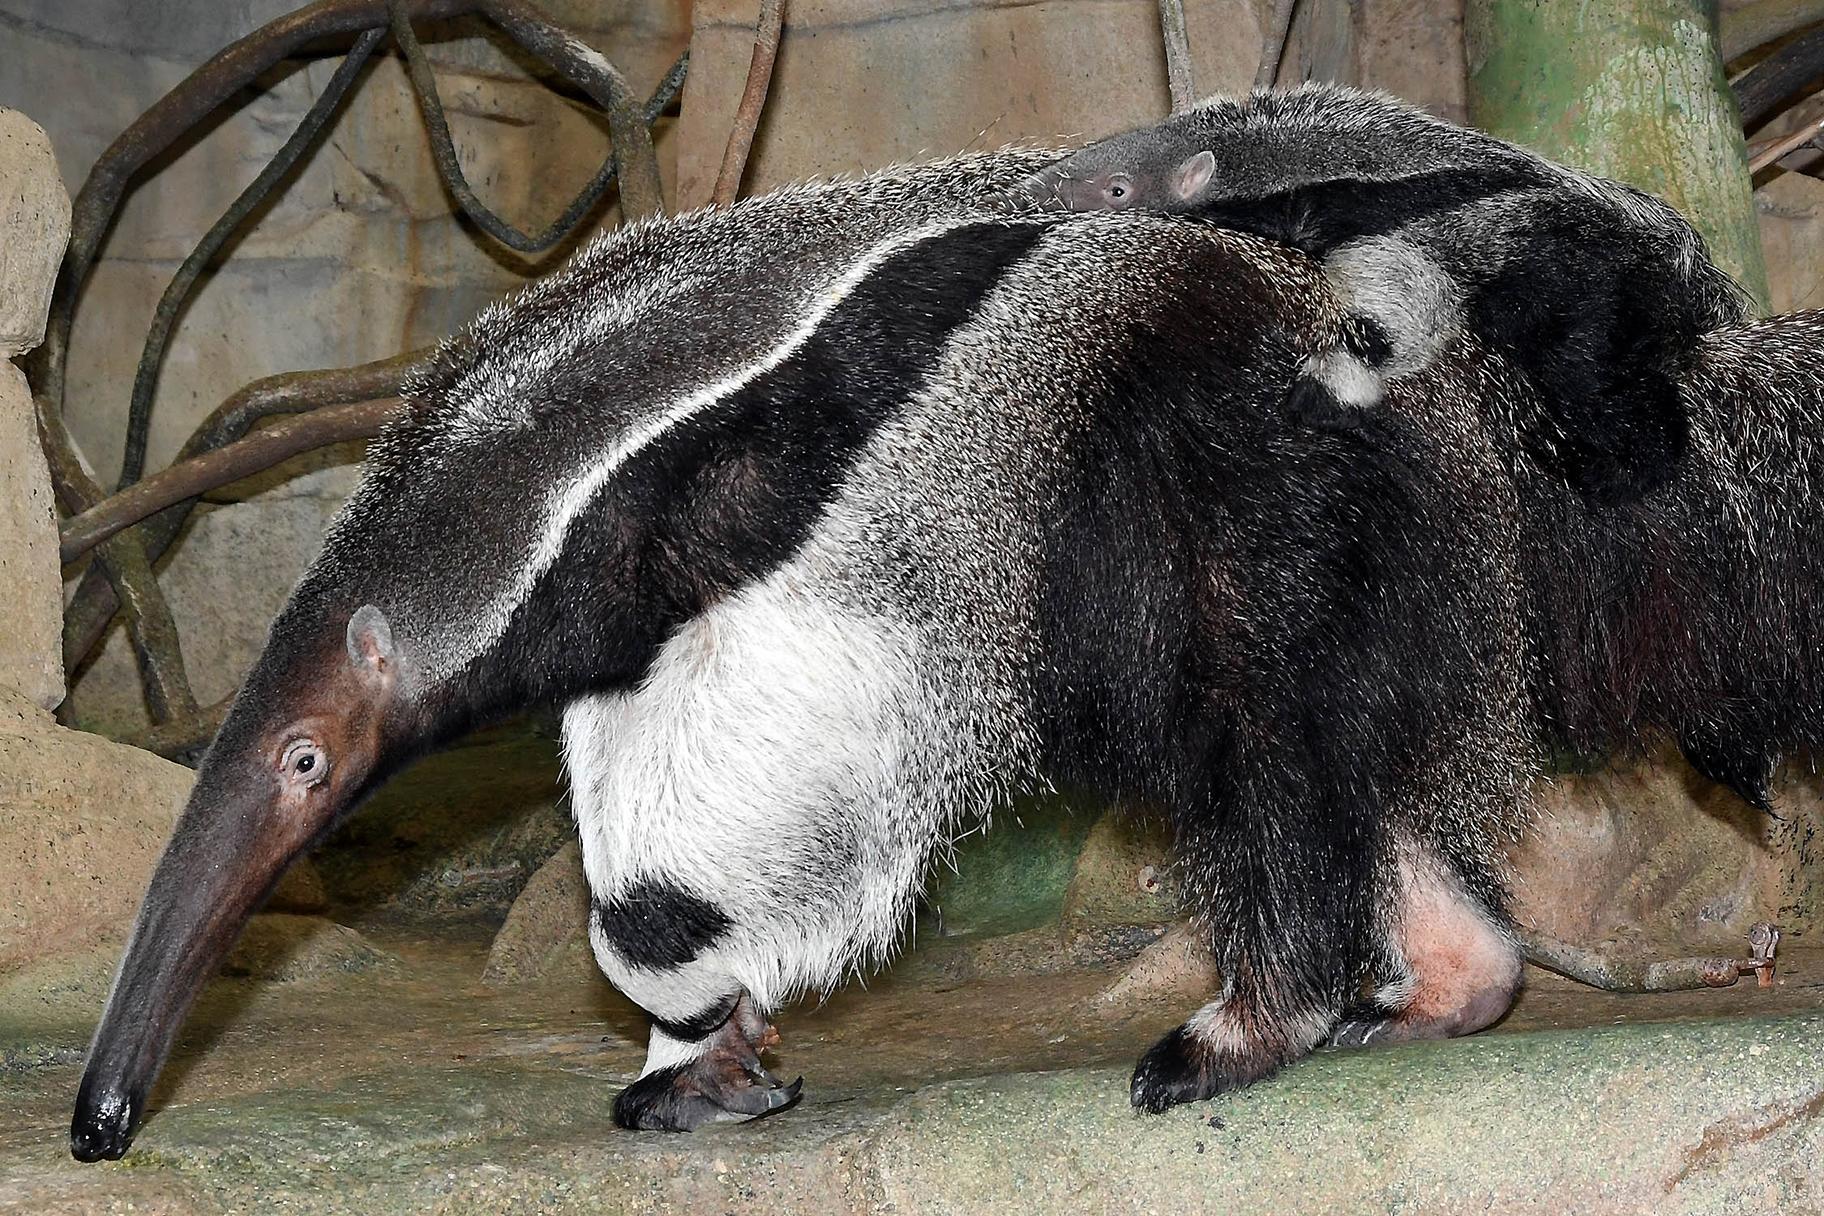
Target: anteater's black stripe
[
  {"x": 657, "y": 924},
  {"x": 729, "y": 494},
  {"x": 1322, "y": 215},
  {"x": 689, "y": 1030}
]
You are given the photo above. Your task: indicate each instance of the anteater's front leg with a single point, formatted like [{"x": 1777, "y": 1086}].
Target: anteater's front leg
[
  {"x": 692, "y": 1078},
  {"x": 753, "y": 826},
  {"x": 675, "y": 922}
]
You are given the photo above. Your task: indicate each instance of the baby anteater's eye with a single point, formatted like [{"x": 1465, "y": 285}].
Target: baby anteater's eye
[{"x": 1119, "y": 187}]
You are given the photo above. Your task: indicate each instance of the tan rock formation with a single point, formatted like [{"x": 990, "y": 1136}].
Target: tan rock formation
[
  {"x": 546, "y": 934},
  {"x": 1652, "y": 852},
  {"x": 34, "y": 227},
  {"x": 86, "y": 820}
]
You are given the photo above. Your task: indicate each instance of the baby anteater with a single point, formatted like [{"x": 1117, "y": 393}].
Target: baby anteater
[{"x": 1593, "y": 290}]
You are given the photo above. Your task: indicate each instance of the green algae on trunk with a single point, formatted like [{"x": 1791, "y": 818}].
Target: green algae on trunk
[{"x": 1630, "y": 89}]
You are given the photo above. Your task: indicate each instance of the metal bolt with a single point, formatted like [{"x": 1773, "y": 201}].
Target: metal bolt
[{"x": 1763, "y": 941}]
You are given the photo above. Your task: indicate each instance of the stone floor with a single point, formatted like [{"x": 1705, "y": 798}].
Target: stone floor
[
  {"x": 408, "y": 1087},
  {"x": 375, "y": 1073}
]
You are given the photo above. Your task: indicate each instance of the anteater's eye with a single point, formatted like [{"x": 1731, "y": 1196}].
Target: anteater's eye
[
  {"x": 305, "y": 762},
  {"x": 1118, "y": 188}
]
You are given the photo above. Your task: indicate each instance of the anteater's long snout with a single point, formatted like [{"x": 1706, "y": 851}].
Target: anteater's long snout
[
  {"x": 103, "y": 1127},
  {"x": 306, "y": 738},
  {"x": 225, "y": 856}
]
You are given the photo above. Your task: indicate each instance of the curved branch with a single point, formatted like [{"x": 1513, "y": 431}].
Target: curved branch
[
  {"x": 157, "y": 649},
  {"x": 169, "y": 120},
  {"x": 128, "y": 572},
  {"x": 449, "y": 165},
  {"x": 1177, "y": 55},
  {"x": 86, "y": 617},
  {"x": 164, "y": 319},
  {"x": 191, "y": 478},
  {"x": 239, "y": 65},
  {"x": 449, "y": 168},
  {"x": 753, "y": 101},
  {"x": 1625, "y": 971},
  {"x": 1771, "y": 85},
  {"x": 1274, "y": 50},
  {"x": 183, "y": 739},
  {"x": 1762, "y": 155},
  {"x": 589, "y": 70}
]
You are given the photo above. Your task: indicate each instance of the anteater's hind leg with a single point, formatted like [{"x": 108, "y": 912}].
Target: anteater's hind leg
[
  {"x": 1452, "y": 964},
  {"x": 1281, "y": 876}
]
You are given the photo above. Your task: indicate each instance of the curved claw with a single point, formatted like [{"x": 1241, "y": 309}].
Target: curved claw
[
  {"x": 726, "y": 1083},
  {"x": 784, "y": 1096},
  {"x": 1357, "y": 1032},
  {"x": 685, "y": 1097}
]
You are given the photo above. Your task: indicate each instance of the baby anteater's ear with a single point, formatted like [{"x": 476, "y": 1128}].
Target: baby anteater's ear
[{"x": 1193, "y": 176}]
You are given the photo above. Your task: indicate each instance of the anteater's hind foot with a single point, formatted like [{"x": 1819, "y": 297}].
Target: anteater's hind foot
[
  {"x": 1219, "y": 1050},
  {"x": 725, "y": 1083},
  {"x": 1458, "y": 970}
]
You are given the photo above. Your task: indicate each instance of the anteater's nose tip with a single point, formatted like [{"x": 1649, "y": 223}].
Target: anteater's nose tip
[
  {"x": 102, "y": 1128},
  {"x": 98, "y": 1143}
]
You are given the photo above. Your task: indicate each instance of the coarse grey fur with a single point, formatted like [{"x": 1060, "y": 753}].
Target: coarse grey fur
[{"x": 662, "y": 309}]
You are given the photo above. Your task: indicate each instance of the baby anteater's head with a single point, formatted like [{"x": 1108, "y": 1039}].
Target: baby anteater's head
[{"x": 1149, "y": 169}]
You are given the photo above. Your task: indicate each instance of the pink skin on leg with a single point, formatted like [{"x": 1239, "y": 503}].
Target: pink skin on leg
[{"x": 1462, "y": 970}]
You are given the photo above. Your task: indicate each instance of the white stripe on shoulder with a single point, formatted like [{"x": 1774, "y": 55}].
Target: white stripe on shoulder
[{"x": 564, "y": 504}]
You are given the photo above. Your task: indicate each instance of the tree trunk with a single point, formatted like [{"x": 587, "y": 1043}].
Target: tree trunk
[{"x": 1630, "y": 89}]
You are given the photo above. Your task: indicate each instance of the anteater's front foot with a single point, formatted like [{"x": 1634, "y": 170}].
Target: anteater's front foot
[{"x": 726, "y": 1084}]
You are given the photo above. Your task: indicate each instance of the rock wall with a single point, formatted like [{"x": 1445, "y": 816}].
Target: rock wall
[
  {"x": 865, "y": 83},
  {"x": 84, "y": 818},
  {"x": 34, "y": 226}
]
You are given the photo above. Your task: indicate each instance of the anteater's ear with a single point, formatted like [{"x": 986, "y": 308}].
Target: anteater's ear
[
  {"x": 370, "y": 639},
  {"x": 1193, "y": 176}
]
